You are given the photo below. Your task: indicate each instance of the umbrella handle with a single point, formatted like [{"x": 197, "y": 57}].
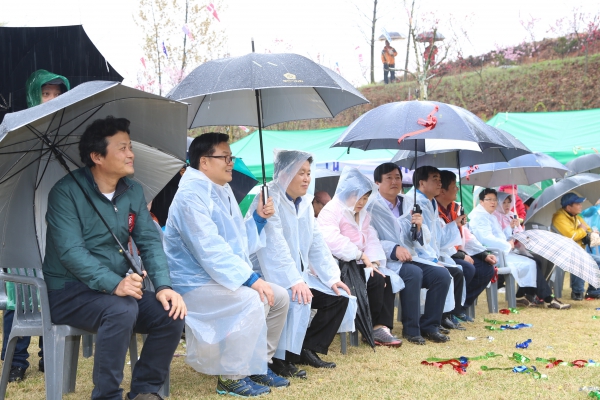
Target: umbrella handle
[
  {"x": 413, "y": 229},
  {"x": 265, "y": 194}
]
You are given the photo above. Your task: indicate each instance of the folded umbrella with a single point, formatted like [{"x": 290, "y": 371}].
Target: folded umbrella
[
  {"x": 563, "y": 252},
  {"x": 351, "y": 276}
]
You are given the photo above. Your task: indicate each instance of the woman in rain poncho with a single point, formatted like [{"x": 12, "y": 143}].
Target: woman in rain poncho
[
  {"x": 506, "y": 217},
  {"x": 527, "y": 272},
  {"x": 230, "y": 331},
  {"x": 345, "y": 224},
  {"x": 297, "y": 258}
]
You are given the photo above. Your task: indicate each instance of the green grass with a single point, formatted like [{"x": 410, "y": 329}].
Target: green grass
[{"x": 398, "y": 373}]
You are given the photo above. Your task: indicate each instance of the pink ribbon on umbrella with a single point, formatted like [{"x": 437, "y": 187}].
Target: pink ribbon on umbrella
[{"x": 428, "y": 123}]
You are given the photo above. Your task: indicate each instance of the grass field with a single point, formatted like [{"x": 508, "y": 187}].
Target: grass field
[{"x": 398, "y": 374}]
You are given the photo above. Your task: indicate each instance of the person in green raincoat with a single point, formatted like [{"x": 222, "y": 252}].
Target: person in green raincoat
[{"x": 41, "y": 86}]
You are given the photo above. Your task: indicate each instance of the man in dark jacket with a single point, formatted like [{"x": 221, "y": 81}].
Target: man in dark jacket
[{"x": 85, "y": 270}]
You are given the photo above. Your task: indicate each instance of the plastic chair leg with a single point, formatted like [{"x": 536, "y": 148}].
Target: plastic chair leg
[
  {"x": 399, "y": 306},
  {"x": 88, "y": 345},
  {"x": 8, "y": 357},
  {"x": 70, "y": 364},
  {"x": 492, "y": 297},
  {"x": 511, "y": 290},
  {"x": 343, "y": 341},
  {"x": 56, "y": 371},
  {"x": 559, "y": 280},
  {"x": 354, "y": 339},
  {"x": 166, "y": 387}
]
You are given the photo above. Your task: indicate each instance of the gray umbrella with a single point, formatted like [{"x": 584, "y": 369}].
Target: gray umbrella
[
  {"x": 262, "y": 90},
  {"x": 29, "y": 168},
  {"x": 524, "y": 170},
  {"x": 584, "y": 185},
  {"x": 585, "y": 163},
  {"x": 398, "y": 125}
]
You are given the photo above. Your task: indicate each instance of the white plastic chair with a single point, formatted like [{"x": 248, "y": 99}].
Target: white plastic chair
[{"x": 509, "y": 280}]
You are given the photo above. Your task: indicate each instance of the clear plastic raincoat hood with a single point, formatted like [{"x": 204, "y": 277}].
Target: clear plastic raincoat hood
[{"x": 295, "y": 250}]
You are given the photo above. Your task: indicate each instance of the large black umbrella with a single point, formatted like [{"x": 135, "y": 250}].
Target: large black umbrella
[
  {"x": 423, "y": 127},
  {"x": 64, "y": 50},
  {"x": 262, "y": 90},
  {"x": 351, "y": 276}
]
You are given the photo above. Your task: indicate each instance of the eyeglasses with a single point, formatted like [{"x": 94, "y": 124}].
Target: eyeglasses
[
  {"x": 491, "y": 200},
  {"x": 228, "y": 159}
]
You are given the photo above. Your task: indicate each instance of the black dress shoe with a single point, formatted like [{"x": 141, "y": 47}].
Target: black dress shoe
[
  {"x": 16, "y": 374},
  {"x": 576, "y": 296},
  {"x": 444, "y": 330},
  {"x": 435, "y": 337},
  {"x": 311, "y": 358},
  {"x": 414, "y": 339},
  {"x": 448, "y": 324},
  {"x": 286, "y": 369}
]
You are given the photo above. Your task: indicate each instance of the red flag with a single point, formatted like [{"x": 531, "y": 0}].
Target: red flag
[{"x": 210, "y": 8}]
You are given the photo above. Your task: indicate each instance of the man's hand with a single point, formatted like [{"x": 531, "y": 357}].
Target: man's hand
[
  {"x": 491, "y": 259},
  {"x": 340, "y": 285},
  {"x": 512, "y": 243},
  {"x": 131, "y": 285},
  {"x": 302, "y": 292},
  {"x": 417, "y": 219},
  {"x": 461, "y": 220},
  {"x": 177, "y": 308},
  {"x": 264, "y": 289},
  {"x": 514, "y": 223},
  {"x": 403, "y": 254},
  {"x": 469, "y": 259},
  {"x": 265, "y": 210}
]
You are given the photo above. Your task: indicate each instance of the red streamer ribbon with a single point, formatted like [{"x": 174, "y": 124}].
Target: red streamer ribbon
[
  {"x": 470, "y": 170},
  {"x": 428, "y": 123}
]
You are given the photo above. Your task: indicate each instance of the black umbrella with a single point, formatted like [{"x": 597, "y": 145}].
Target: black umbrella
[
  {"x": 351, "y": 276},
  {"x": 262, "y": 90},
  {"x": 423, "y": 126},
  {"x": 64, "y": 50}
]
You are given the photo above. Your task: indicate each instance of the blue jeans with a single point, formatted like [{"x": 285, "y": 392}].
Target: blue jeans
[
  {"x": 21, "y": 354},
  {"x": 578, "y": 284}
]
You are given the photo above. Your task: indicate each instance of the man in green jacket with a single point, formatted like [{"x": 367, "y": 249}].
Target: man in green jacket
[{"x": 85, "y": 270}]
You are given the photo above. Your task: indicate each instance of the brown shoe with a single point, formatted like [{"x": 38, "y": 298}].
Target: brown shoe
[
  {"x": 558, "y": 305},
  {"x": 523, "y": 302}
]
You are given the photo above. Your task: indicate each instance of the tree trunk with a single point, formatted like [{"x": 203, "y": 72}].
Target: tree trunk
[
  {"x": 412, "y": 9},
  {"x": 373, "y": 41}
]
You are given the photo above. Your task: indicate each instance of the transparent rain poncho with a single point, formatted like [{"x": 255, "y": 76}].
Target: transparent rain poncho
[
  {"x": 346, "y": 238},
  {"x": 486, "y": 228},
  {"x": 443, "y": 239},
  {"x": 504, "y": 218},
  {"x": 296, "y": 252},
  {"x": 208, "y": 245}
]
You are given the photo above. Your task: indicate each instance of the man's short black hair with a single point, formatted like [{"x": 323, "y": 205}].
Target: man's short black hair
[
  {"x": 93, "y": 139},
  {"x": 204, "y": 145},
  {"x": 383, "y": 169},
  {"x": 422, "y": 174},
  {"x": 447, "y": 178},
  {"x": 487, "y": 191}
]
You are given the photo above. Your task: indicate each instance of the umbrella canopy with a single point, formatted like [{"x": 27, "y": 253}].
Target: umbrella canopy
[
  {"x": 29, "y": 169},
  {"x": 65, "y": 50},
  {"x": 405, "y": 125},
  {"x": 393, "y": 36},
  {"x": 524, "y": 170},
  {"x": 292, "y": 87},
  {"x": 429, "y": 36},
  {"x": 351, "y": 276},
  {"x": 585, "y": 163},
  {"x": 563, "y": 252},
  {"x": 585, "y": 185}
]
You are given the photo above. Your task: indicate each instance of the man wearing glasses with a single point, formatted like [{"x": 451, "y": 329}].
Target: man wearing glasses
[
  {"x": 235, "y": 317},
  {"x": 527, "y": 272}
]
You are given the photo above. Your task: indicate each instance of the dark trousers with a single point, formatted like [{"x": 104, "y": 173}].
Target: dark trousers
[
  {"x": 325, "y": 324},
  {"x": 381, "y": 300},
  {"x": 458, "y": 277},
  {"x": 114, "y": 319},
  {"x": 542, "y": 289},
  {"x": 21, "y": 354},
  {"x": 478, "y": 281},
  {"x": 386, "y": 71},
  {"x": 416, "y": 276}
]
